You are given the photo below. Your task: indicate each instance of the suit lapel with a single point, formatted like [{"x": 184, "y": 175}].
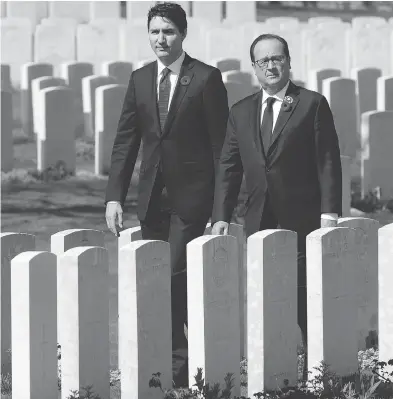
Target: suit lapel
[
  {"x": 181, "y": 88},
  {"x": 154, "y": 97},
  {"x": 255, "y": 121},
  {"x": 285, "y": 113}
]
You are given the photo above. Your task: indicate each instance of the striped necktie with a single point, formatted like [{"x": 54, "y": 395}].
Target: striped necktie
[{"x": 163, "y": 97}]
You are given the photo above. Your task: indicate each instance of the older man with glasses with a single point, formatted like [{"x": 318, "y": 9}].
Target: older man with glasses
[{"x": 284, "y": 141}]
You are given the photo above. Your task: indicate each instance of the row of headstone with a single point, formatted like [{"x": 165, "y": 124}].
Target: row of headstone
[
  {"x": 85, "y": 11},
  {"x": 339, "y": 45},
  {"x": 340, "y": 93},
  {"x": 348, "y": 276}
]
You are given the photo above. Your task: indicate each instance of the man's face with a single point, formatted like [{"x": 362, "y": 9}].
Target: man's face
[
  {"x": 165, "y": 39},
  {"x": 274, "y": 75}
]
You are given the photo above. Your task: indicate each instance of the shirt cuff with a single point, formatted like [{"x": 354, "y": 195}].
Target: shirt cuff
[
  {"x": 113, "y": 202},
  {"x": 329, "y": 216}
]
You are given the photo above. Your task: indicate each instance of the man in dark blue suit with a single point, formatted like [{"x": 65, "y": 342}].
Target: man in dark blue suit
[
  {"x": 284, "y": 140},
  {"x": 177, "y": 107}
]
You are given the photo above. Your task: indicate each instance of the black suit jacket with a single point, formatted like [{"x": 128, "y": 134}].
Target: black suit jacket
[
  {"x": 189, "y": 147},
  {"x": 301, "y": 170}
]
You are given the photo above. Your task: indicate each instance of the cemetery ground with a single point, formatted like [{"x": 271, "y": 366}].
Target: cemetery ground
[{"x": 32, "y": 205}]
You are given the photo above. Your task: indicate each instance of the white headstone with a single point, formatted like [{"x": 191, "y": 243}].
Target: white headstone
[
  {"x": 331, "y": 300},
  {"x": 385, "y": 292},
  {"x": 73, "y": 72},
  {"x": 31, "y": 71},
  {"x": 145, "y": 343},
  {"x": 366, "y": 87},
  {"x": 16, "y": 47},
  {"x": 56, "y": 136},
  {"x": 317, "y": 76},
  {"x": 238, "y": 85},
  {"x": 71, "y": 23},
  {"x": 213, "y": 309},
  {"x": 371, "y": 42},
  {"x": 12, "y": 244},
  {"x": 104, "y": 9},
  {"x": 97, "y": 44},
  {"x": 317, "y": 21},
  {"x": 54, "y": 44},
  {"x": 376, "y": 156},
  {"x": 64, "y": 240},
  {"x": 36, "y": 85},
  {"x": 68, "y": 9},
  {"x": 366, "y": 242},
  {"x": 83, "y": 319},
  {"x": 195, "y": 42},
  {"x": 271, "y": 309},
  {"x": 226, "y": 64},
  {"x": 121, "y": 70},
  {"x": 218, "y": 45},
  {"x": 33, "y": 325},
  {"x": 134, "y": 43},
  {"x": 288, "y": 21},
  {"x": 109, "y": 103},
  {"x": 241, "y": 11},
  {"x": 33, "y": 10},
  {"x": 385, "y": 93},
  {"x": 209, "y": 10},
  {"x": 89, "y": 86},
  {"x": 138, "y": 9},
  {"x": 7, "y": 124},
  {"x": 341, "y": 95}
]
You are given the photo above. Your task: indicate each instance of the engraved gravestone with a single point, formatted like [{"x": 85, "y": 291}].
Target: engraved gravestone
[
  {"x": 145, "y": 344},
  {"x": 213, "y": 308}
]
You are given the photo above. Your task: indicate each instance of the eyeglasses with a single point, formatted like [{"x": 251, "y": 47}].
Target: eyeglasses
[{"x": 276, "y": 60}]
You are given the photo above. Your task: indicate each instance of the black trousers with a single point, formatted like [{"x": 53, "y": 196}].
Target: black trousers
[
  {"x": 269, "y": 221},
  {"x": 162, "y": 223}
]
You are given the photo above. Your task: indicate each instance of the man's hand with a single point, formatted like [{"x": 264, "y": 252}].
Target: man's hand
[
  {"x": 220, "y": 228},
  {"x": 328, "y": 223},
  {"x": 113, "y": 212}
]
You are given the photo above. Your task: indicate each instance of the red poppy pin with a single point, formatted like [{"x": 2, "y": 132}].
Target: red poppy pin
[
  {"x": 185, "y": 80},
  {"x": 288, "y": 100}
]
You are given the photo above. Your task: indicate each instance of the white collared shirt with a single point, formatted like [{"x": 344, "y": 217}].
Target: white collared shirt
[
  {"x": 173, "y": 75},
  {"x": 276, "y": 105}
]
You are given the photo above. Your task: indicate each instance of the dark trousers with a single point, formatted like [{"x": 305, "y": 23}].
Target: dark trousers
[
  {"x": 162, "y": 223},
  {"x": 269, "y": 221}
]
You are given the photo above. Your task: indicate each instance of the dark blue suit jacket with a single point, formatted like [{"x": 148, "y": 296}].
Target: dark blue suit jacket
[
  {"x": 189, "y": 147},
  {"x": 301, "y": 169}
]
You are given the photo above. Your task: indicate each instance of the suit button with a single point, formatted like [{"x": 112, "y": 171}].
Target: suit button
[{"x": 267, "y": 169}]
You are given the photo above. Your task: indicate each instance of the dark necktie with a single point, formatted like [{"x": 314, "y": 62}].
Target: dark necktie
[
  {"x": 267, "y": 124},
  {"x": 163, "y": 97}
]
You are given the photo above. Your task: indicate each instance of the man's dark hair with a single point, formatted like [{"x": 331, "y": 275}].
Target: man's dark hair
[
  {"x": 268, "y": 36},
  {"x": 171, "y": 11}
]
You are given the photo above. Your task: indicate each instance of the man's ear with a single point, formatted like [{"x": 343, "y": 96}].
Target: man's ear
[{"x": 185, "y": 33}]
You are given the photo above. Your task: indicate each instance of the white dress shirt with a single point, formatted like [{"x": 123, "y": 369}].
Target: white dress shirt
[
  {"x": 173, "y": 75},
  {"x": 279, "y": 96}
]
